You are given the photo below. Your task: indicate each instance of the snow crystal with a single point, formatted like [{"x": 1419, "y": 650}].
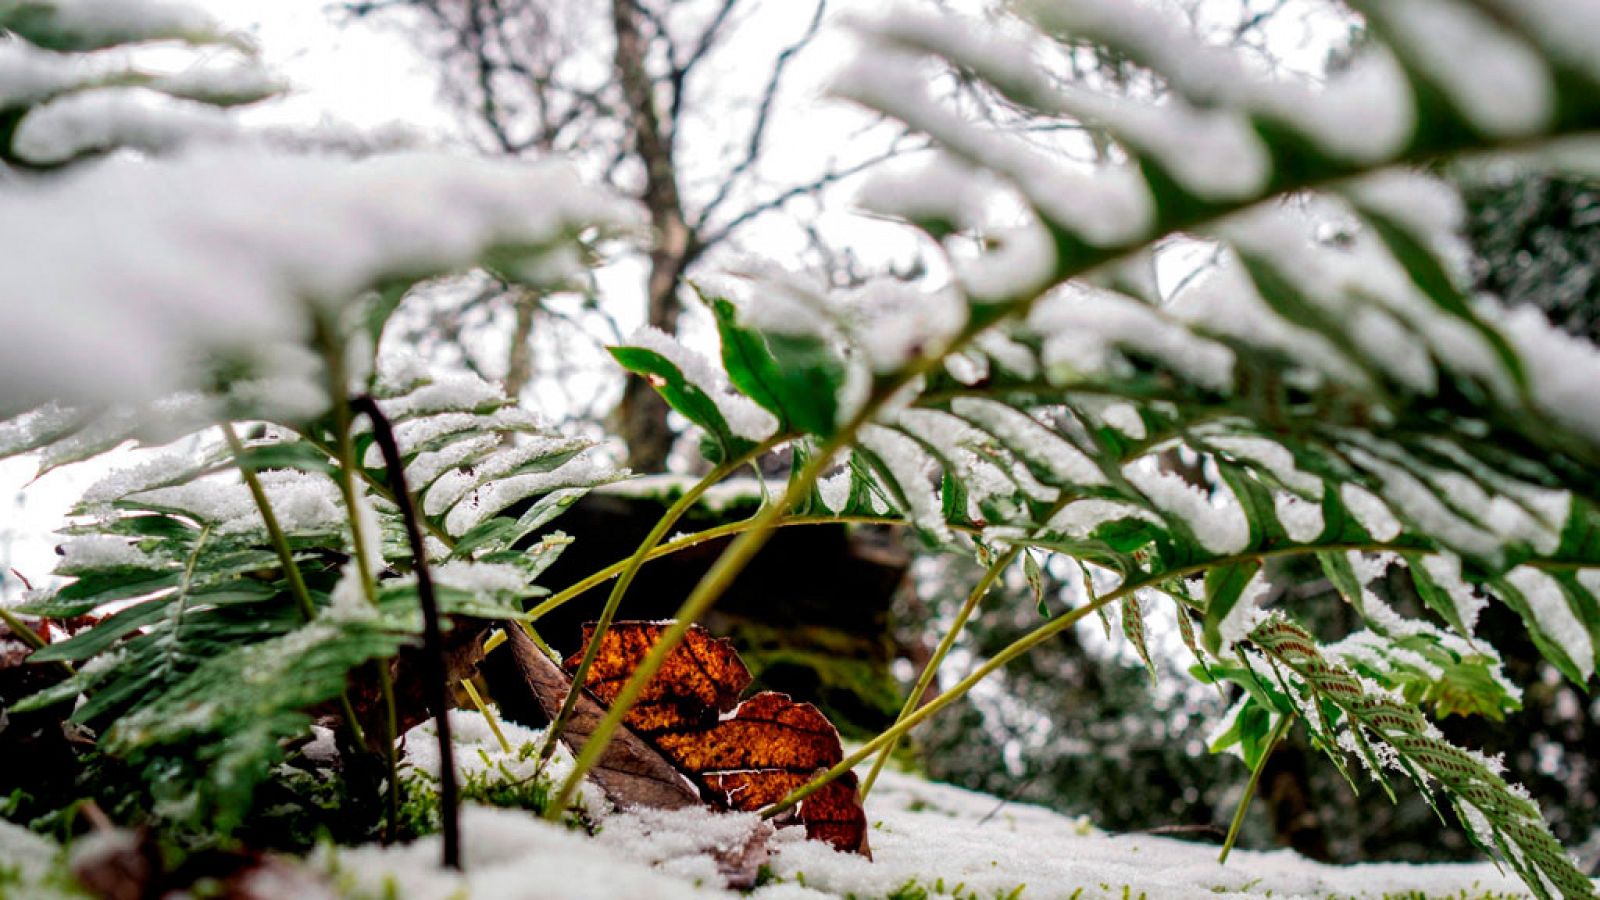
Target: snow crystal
[
  {"x": 459, "y": 393},
  {"x": 1363, "y": 113},
  {"x": 1555, "y": 616},
  {"x": 1499, "y": 82},
  {"x": 1562, "y": 369},
  {"x": 1269, "y": 455},
  {"x": 240, "y": 83},
  {"x": 1124, "y": 418},
  {"x": 107, "y": 22},
  {"x": 744, "y": 417},
  {"x": 1421, "y": 504},
  {"x": 1218, "y": 524},
  {"x": 153, "y": 473},
  {"x": 481, "y": 577},
  {"x": 835, "y": 490},
  {"x": 29, "y": 74},
  {"x": 1010, "y": 355}
]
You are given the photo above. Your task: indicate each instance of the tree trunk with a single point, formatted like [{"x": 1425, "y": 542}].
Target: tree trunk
[{"x": 642, "y": 415}]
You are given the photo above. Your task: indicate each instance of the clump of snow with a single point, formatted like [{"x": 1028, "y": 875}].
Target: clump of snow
[
  {"x": 914, "y": 471},
  {"x": 1085, "y": 329},
  {"x": 1555, "y": 616},
  {"x": 103, "y": 551},
  {"x": 1108, "y": 207},
  {"x": 491, "y": 497},
  {"x": 1031, "y": 440},
  {"x": 174, "y": 280},
  {"x": 895, "y": 323},
  {"x": 107, "y": 118},
  {"x": 1370, "y": 511},
  {"x": 1218, "y": 523},
  {"x": 1499, "y": 82},
  {"x": 1080, "y": 518}
]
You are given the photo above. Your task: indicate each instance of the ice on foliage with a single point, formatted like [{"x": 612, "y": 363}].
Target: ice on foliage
[
  {"x": 1246, "y": 613},
  {"x": 1370, "y": 512},
  {"x": 102, "y": 551},
  {"x": 895, "y": 323},
  {"x": 1363, "y": 113},
  {"x": 1445, "y": 571},
  {"x": 107, "y": 22},
  {"x": 1225, "y": 302},
  {"x": 1219, "y": 523},
  {"x": 481, "y": 577},
  {"x": 429, "y": 465},
  {"x": 1423, "y": 505},
  {"x": 492, "y": 497},
  {"x": 1301, "y": 518},
  {"x": 1499, "y": 82},
  {"x": 162, "y": 470},
  {"x": 107, "y": 118},
  {"x": 174, "y": 279},
  {"x": 459, "y": 394},
  {"x": 1110, "y": 207},
  {"x": 744, "y": 416},
  {"x": 302, "y": 502},
  {"x": 1080, "y": 518},
  {"x": 914, "y": 471},
  {"x": 1031, "y": 440},
  {"x": 1085, "y": 330},
  {"x": 1554, "y": 616},
  {"x": 1271, "y": 456},
  {"x": 1008, "y": 354},
  {"x": 835, "y": 490},
  {"x": 1562, "y": 369}
]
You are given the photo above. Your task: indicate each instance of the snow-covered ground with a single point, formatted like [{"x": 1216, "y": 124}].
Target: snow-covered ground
[{"x": 941, "y": 839}]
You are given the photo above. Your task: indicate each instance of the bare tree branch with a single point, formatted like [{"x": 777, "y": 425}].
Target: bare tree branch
[{"x": 758, "y": 130}]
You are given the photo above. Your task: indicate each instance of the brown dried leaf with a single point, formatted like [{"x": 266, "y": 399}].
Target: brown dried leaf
[
  {"x": 632, "y": 773},
  {"x": 743, "y": 755}
]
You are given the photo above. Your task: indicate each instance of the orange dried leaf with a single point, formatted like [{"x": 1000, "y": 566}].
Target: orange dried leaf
[{"x": 743, "y": 756}]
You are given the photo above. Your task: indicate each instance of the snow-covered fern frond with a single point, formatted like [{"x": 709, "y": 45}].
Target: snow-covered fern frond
[{"x": 1344, "y": 396}]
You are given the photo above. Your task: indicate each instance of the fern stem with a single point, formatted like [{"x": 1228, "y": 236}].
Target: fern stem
[
  {"x": 929, "y": 671},
  {"x": 1278, "y": 731},
  {"x": 687, "y": 541},
  {"x": 291, "y": 570},
  {"x": 711, "y": 586},
  {"x": 21, "y": 630},
  {"x": 280, "y": 541},
  {"x": 348, "y": 466},
  {"x": 631, "y": 568},
  {"x": 435, "y": 672},
  {"x": 488, "y": 715}
]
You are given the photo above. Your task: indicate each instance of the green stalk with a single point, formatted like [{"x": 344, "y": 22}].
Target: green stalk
[
  {"x": 629, "y": 570},
  {"x": 344, "y": 449},
  {"x": 1015, "y": 649},
  {"x": 931, "y": 670},
  {"x": 711, "y": 587},
  {"x": 291, "y": 571},
  {"x": 1278, "y": 730}
]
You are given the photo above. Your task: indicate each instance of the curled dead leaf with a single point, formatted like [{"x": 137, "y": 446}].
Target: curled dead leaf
[{"x": 739, "y": 755}]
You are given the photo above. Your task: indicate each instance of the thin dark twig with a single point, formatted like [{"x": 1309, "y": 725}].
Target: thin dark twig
[
  {"x": 1010, "y": 796},
  {"x": 434, "y": 671},
  {"x": 758, "y": 130}
]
